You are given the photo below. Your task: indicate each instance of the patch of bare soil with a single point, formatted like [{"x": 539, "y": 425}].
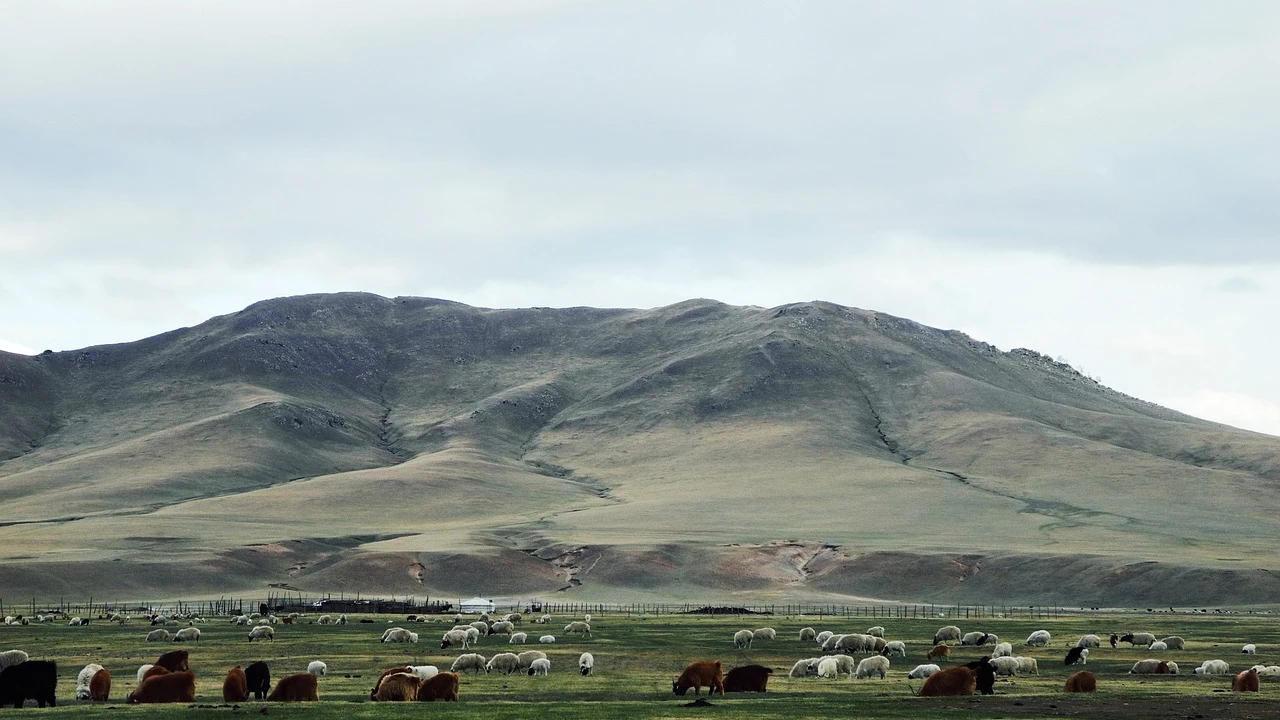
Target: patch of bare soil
[{"x": 1224, "y": 707}]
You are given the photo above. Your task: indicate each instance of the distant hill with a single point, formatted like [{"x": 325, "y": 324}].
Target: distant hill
[{"x": 351, "y": 442}]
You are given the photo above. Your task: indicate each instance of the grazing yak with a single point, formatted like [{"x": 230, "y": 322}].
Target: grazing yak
[{"x": 696, "y": 675}]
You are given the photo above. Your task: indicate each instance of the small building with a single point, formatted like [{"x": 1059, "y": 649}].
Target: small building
[{"x": 478, "y": 605}]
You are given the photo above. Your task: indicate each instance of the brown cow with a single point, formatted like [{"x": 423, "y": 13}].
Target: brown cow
[
  {"x": 174, "y": 660},
  {"x": 295, "y": 688},
  {"x": 1246, "y": 681},
  {"x": 940, "y": 651},
  {"x": 441, "y": 686},
  {"x": 696, "y": 675},
  {"x": 373, "y": 694},
  {"x": 236, "y": 687},
  {"x": 959, "y": 680},
  {"x": 100, "y": 685},
  {"x": 153, "y": 671},
  {"x": 398, "y": 687},
  {"x": 167, "y": 688},
  {"x": 1083, "y": 681},
  {"x": 748, "y": 678}
]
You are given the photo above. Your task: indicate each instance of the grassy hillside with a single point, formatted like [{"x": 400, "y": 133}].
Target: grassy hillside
[{"x": 410, "y": 445}]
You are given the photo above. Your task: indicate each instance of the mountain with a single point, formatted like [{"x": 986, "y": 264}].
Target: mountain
[{"x": 351, "y": 442}]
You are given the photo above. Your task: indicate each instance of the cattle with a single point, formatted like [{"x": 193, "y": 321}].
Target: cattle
[
  {"x": 236, "y": 687},
  {"x": 1246, "y": 681},
  {"x": 373, "y": 694},
  {"x": 939, "y": 651},
  {"x": 748, "y": 678},
  {"x": 258, "y": 679},
  {"x": 152, "y": 671},
  {"x": 978, "y": 675},
  {"x": 1083, "y": 681},
  {"x": 171, "y": 687},
  {"x": 174, "y": 660},
  {"x": 295, "y": 688},
  {"x": 398, "y": 687},
  {"x": 441, "y": 686},
  {"x": 1076, "y": 655},
  {"x": 100, "y": 685},
  {"x": 32, "y": 680},
  {"x": 698, "y": 674}
]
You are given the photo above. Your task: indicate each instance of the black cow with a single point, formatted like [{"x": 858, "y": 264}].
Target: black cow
[
  {"x": 258, "y": 676},
  {"x": 986, "y": 673},
  {"x": 32, "y": 680}
]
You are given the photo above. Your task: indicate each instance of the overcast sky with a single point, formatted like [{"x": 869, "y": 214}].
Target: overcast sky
[{"x": 1099, "y": 181}]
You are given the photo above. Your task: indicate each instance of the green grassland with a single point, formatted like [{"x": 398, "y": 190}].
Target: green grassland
[{"x": 636, "y": 659}]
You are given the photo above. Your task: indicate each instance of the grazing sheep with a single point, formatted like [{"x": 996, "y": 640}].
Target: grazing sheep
[
  {"x": 235, "y": 687},
  {"x": 469, "y": 661},
  {"x": 895, "y": 647},
  {"x": 808, "y": 634},
  {"x": 823, "y": 636},
  {"x": 262, "y": 632},
  {"x": 455, "y": 637},
  {"x": 831, "y": 642},
  {"x": 949, "y": 632},
  {"x": 1136, "y": 639},
  {"x": 443, "y": 686},
  {"x": 1077, "y": 656},
  {"x": 1213, "y": 667},
  {"x": 342, "y": 619},
  {"x": 1158, "y": 646},
  {"x": 318, "y": 667},
  {"x": 1246, "y": 681},
  {"x": 1003, "y": 649},
  {"x": 528, "y": 656},
  {"x": 801, "y": 668},
  {"x": 973, "y": 638},
  {"x": 1249, "y": 649},
  {"x": 424, "y": 671},
  {"x": 854, "y": 643},
  {"x": 875, "y": 631},
  {"x": 505, "y": 663},
  {"x": 748, "y": 678},
  {"x": 547, "y": 639},
  {"x": 1039, "y": 638},
  {"x": 1006, "y": 665},
  {"x": 399, "y": 635},
  {"x": 874, "y": 665},
  {"x": 829, "y": 668},
  {"x": 9, "y": 658},
  {"x": 78, "y": 622},
  {"x": 586, "y": 663},
  {"x": 541, "y": 666},
  {"x": 187, "y": 634},
  {"x": 1027, "y": 665},
  {"x": 939, "y": 651},
  {"x": 512, "y": 617},
  {"x": 481, "y": 627},
  {"x": 1173, "y": 642},
  {"x": 240, "y": 620},
  {"x": 502, "y": 627},
  {"x": 397, "y": 687},
  {"x": 1083, "y": 681},
  {"x": 764, "y": 634},
  {"x": 518, "y": 638},
  {"x": 82, "y": 680},
  {"x": 920, "y": 672},
  {"x": 579, "y": 627},
  {"x": 1267, "y": 670},
  {"x": 1089, "y": 641},
  {"x": 742, "y": 639},
  {"x": 324, "y": 620},
  {"x": 543, "y": 620},
  {"x": 696, "y": 675},
  {"x": 587, "y": 617},
  {"x": 1150, "y": 666},
  {"x": 158, "y": 635}
]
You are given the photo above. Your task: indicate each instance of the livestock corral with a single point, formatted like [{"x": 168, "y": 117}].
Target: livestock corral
[{"x": 614, "y": 666}]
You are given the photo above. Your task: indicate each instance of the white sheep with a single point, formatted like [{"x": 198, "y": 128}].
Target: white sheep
[
  {"x": 764, "y": 634},
  {"x": 187, "y": 634},
  {"x": 262, "y": 632},
  {"x": 947, "y": 633},
  {"x": 457, "y": 618},
  {"x": 528, "y": 656},
  {"x": 1267, "y": 670},
  {"x": 1173, "y": 642},
  {"x": 823, "y": 637},
  {"x": 586, "y": 663},
  {"x": 845, "y": 664},
  {"x": 1148, "y": 666},
  {"x": 456, "y": 637},
  {"x": 473, "y": 635},
  {"x": 586, "y": 618},
  {"x": 318, "y": 668},
  {"x": 1039, "y": 638},
  {"x": 502, "y": 627},
  {"x": 84, "y": 678},
  {"x": 324, "y": 620},
  {"x": 895, "y": 647},
  {"x": 801, "y": 668},
  {"x": 920, "y": 672},
  {"x": 342, "y": 619},
  {"x": 1027, "y": 665},
  {"x": 828, "y": 668},
  {"x": 547, "y": 639},
  {"x": 469, "y": 661},
  {"x": 518, "y": 638},
  {"x": 9, "y": 658},
  {"x": 874, "y": 665},
  {"x": 77, "y": 622},
  {"x": 742, "y": 639},
  {"x": 875, "y": 631},
  {"x": 424, "y": 671},
  {"x": 158, "y": 635},
  {"x": 1003, "y": 649},
  {"x": 1005, "y": 665},
  {"x": 543, "y": 620},
  {"x": 1213, "y": 667},
  {"x": 142, "y": 670},
  {"x": 1089, "y": 641},
  {"x": 240, "y": 620},
  {"x": 808, "y": 634},
  {"x": 1249, "y": 649},
  {"x": 506, "y": 663},
  {"x": 399, "y": 635},
  {"x": 482, "y": 628},
  {"x": 1136, "y": 639},
  {"x": 1158, "y": 646},
  {"x": 578, "y": 626},
  {"x": 541, "y": 666}
]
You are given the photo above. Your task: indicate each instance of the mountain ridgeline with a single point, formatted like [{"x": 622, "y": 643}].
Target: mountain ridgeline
[{"x": 351, "y": 442}]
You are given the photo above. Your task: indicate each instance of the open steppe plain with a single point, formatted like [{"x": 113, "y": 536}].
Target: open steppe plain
[{"x": 636, "y": 660}]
